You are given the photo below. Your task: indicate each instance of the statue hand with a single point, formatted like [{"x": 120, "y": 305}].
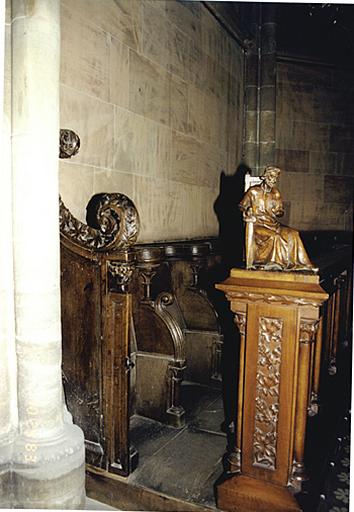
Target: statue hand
[{"x": 248, "y": 215}]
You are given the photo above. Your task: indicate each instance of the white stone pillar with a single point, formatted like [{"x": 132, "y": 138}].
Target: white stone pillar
[
  {"x": 8, "y": 394},
  {"x": 48, "y": 456}
]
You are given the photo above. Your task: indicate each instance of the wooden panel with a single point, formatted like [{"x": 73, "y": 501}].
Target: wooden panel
[
  {"x": 81, "y": 313},
  {"x": 152, "y": 333},
  {"x": 116, "y": 380},
  {"x": 269, "y": 381},
  {"x": 117, "y": 492}
]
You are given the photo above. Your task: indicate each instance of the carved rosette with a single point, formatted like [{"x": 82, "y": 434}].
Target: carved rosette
[
  {"x": 267, "y": 392},
  {"x": 116, "y": 224}
]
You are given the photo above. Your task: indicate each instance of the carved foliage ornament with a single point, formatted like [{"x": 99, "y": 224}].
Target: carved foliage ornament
[
  {"x": 117, "y": 222},
  {"x": 274, "y": 299},
  {"x": 122, "y": 271},
  {"x": 267, "y": 392}
]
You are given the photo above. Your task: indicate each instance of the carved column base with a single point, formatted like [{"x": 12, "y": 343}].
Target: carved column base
[
  {"x": 332, "y": 368},
  {"x": 233, "y": 461},
  {"x": 175, "y": 413},
  {"x": 298, "y": 476},
  {"x": 133, "y": 458},
  {"x": 314, "y": 405},
  {"x": 176, "y": 416},
  {"x": 56, "y": 477},
  {"x": 244, "y": 494}
]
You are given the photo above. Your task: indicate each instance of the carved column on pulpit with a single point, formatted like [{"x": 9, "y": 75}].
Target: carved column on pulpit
[{"x": 279, "y": 319}]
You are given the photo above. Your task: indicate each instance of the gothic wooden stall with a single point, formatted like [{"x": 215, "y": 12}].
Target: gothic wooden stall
[
  {"x": 136, "y": 324},
  {"x": 177, "y": 334},
  {"x": 96, "y": 267}
]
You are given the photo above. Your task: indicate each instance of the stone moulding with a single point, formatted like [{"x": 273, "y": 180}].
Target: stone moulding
[{"x": 116, "y": 224}]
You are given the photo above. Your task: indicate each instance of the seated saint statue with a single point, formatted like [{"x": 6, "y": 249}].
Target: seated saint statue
[{"x": 269, "y": 245}]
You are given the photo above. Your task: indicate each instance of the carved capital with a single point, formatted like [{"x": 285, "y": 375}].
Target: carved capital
[
  {"x": 122, "y": 271},
  {"x": 240, "y": 321},
  {"x": 308, "y": 330}
]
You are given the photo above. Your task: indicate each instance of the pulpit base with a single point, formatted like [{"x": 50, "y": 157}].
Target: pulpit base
[{"x": 245, "y": 494}]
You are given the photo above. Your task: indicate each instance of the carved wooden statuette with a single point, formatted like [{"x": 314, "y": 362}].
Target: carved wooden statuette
[
  {"x": 269, "y": 245},
  {"x": 278, "y": 315}
]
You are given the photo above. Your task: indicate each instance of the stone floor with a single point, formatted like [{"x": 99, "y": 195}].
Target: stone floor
[
  {"x": 183, "y": 463},
  {"x": 335, "y": 492},
  {"x": 97, "y": 505}
]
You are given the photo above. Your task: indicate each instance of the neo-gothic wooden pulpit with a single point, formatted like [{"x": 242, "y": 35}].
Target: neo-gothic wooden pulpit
[{"x": 279, "y": 318}]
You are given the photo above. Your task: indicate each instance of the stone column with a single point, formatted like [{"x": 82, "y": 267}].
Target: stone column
[
  {"x": 252, "y": 97},
  {"x": 259, "y": 143},
  {"x": 8, "y": 405},
  {"x": 48, "y": 458},
  {"x": 267, "y": 87}
]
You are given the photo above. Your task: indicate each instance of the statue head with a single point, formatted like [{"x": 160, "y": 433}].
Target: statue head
[{"x": 270, "y": 175}]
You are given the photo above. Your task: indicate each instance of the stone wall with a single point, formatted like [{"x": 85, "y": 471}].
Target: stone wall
[
  {"x": 314, "y": 144},
  {"x": 155, "y": 91}
]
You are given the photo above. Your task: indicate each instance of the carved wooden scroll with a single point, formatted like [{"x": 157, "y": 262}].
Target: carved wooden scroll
[{"x": 115, "y": 224}]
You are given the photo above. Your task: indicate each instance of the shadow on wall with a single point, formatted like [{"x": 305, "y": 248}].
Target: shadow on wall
[
  {"x": 231, "y": 242},
  {"x": 231, "y": 229}
]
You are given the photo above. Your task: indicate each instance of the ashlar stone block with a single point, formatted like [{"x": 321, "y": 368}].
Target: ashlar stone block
[{"x": 84, "y": 55}]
